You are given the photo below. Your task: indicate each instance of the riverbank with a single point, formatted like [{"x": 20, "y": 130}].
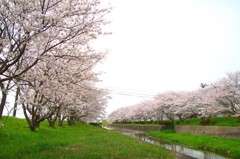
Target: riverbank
[
  {"x": 80, "y": 141},
  {"x": 225, "y": 146},
  {"x": 227, "y": 127},
  {"x": 218, "y": 131},
  {"x": 182, "y": 152}
]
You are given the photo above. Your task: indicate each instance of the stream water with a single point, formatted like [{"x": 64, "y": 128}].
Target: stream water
[{"x": 192, "y": 153}]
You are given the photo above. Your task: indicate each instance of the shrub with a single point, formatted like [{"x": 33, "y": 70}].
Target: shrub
[
  {"x": 166, "y": 122},
  {"x": 207, "y": 121}
]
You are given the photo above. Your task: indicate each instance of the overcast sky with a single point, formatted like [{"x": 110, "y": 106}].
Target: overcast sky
[{"x": 160, "y": 45}]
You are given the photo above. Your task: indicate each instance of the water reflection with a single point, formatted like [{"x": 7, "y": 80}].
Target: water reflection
[{"x": 173, "y": 147}]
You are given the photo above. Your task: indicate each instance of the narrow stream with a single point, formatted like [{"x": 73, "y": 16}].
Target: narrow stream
[{"x": 173, "y": 147}]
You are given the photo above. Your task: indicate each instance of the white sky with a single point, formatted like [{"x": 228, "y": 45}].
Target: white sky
[{"x": 160, "y": 45}]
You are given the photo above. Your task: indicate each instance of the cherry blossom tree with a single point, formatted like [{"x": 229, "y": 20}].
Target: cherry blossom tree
[
  {"x": 62, "y": 86},
  {"x": 225, "y": 95},
  {"x": 143, "y": 111},
  {"x": 122, "y": 114},
  {"x": 30, "y": 30},
  {"x": 91, "y": 107},
  {"x": 185, "y": 104},
  {"x": 166, "y": 103},
  {"x": 147, "y": 110}
]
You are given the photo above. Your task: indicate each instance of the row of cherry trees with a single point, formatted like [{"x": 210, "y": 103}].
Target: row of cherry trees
[
  {"x": 219, "y": 98},
  {"x": 46, "y": 55}
]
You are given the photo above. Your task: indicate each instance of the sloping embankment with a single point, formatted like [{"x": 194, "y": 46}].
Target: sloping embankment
[
  {"x": 140, "y": 128},
  {"x": 220, "y": 131}
]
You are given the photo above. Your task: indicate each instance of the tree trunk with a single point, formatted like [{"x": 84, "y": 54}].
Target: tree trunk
[
  {"x": 60, "y": 122},
  {"x": 61, "y": 118},
  {"x": 3, "y": 100},
  {"x": 31, "y": 122},
  {"x": 51, "y": 123},
  {"x": 180, "y": 118},
  {"x": 70, "y": 120},
  {"x": 33, "y": 125},
  {"x": 16, "y": 100},
  {"x": 52, "y": 120},
  {"x": 160, "y": 120},
  {"x": 171, "y": 117},
  {"x": 33, "y": 118}
]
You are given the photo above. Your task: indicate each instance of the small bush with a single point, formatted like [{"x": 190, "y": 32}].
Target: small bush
[
  {"x": 96, "y": 124},
  {"x": 166, "y": 122},
  {"x": 207, "y": 121},
  {"x": 178, "y": 122}
]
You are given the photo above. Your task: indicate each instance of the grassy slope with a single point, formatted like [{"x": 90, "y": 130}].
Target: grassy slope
[
  {"x": 79, "y": 141},
  {"x": 230, "y": 147},
  {"x": 220, "y": 121}
]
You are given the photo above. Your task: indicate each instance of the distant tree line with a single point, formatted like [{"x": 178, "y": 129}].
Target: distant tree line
[{"x": 221, "y": 97}]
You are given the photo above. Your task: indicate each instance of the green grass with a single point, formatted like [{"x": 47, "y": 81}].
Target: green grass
[
  {"x": 78, "y": 141},
  {"x": 218, "y": 121},
  {"x": 229, "y": 147}
]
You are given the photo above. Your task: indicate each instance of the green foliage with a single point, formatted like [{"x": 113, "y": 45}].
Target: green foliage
[
  {"x": 77, "y": 141},
  {"x": 225, "y": 146},
  {"x": 96, "y": 124},
  {"x": 207, "y": 121},
  {"x": 105, "y": 122},
  {"x": 166, "y": 122}
]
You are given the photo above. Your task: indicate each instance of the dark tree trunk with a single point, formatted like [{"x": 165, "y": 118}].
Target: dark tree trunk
[
  {"x": 51, "y": 123},
  {"x": 170, "y": 117},
  {"x": 3, "y": 100},
  {"x": 33, "y": 119},
  {"x": 160, "y": 120},
  {"x": 180, "y": 118},
  {"x": 60, "y": 123},
  {"x": 70, "y": 120},
  {"x": 16, "y": 100},
  {"x": 61, "y": 118},
  {"x": 52, "y": 120},
  {"x": 32, "y": 125}
]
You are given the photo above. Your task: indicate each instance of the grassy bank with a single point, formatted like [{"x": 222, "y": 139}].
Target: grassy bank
[
  {"x": 229, "y": 147},
  {"x": 214, "y": 121},
  {"x": 78, "y": 141}
]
